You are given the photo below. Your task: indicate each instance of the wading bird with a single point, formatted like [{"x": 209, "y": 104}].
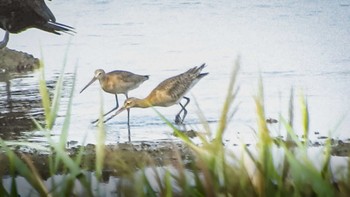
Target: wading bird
[
  {"x": 19, "y": 15},
  {"x": 117, "y": 82},
  {"x": 168, "y": 93}
]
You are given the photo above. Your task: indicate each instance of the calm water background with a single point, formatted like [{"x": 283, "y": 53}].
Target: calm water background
[{"x": 300, "y": 44}]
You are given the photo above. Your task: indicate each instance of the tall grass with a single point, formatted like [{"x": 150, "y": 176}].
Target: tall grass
[
  {"x": 58, "y": 155},
  {"x": 219, "y": 172},
  {"x": 215, "y": 171}
]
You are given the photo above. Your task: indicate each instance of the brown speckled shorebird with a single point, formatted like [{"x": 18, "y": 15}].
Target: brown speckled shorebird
[
  {"x": 19, "y": 15},
  {"x": 117, "y": 82},
  {"x": 168, "y": 93}
]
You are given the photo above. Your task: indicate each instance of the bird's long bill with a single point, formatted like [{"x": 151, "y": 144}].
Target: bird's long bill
[
  {"x": 119, "y": 111},
  {"x": 116, "y": 113},
  {"x": 92, "y": 81}
]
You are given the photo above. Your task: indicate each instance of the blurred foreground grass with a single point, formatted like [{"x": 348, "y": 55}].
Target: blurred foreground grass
[{"x": 213, "y": 171}]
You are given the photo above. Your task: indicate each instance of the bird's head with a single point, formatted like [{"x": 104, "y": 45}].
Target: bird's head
[
  {"x": 99, "y": 73},
  {"x": 131, "y": 102}
]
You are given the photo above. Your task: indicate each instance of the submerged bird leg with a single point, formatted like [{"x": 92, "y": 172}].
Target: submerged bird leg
[
  {"x": 4, "y": 42},
  {"x": 178, "y": 119},
  {"x": 126, "y": 95},
  {"x": 115, "y": 108},
  {"x": 129, "y": 124}
]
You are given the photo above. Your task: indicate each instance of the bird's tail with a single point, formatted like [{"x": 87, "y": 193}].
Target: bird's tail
[
  {"x": 57, "y": 28},
  {"x": 197, "y": 71},
  {"x": 201, "y": 75}
]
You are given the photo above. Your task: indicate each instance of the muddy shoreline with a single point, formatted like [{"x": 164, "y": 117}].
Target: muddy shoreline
[
  {"x": 125, "y": 158},
  {"x": 18, "y": 104},
  {"x": 119, "y": 158}
]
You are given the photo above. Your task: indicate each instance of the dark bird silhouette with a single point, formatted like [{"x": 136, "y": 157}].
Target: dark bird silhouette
[{"x": 19, "y": 15}]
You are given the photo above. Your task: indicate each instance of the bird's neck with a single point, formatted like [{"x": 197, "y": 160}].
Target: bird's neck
[
  {"x": 142, "y": 103},
  {"x": 101, "y": 79}
]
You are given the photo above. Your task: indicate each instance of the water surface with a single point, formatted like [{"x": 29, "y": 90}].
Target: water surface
[{"x": 299, "y": 44}]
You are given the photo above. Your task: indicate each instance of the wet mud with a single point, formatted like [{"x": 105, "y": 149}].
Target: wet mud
[
  {"x": 120, "y": 160},
  {"x": 19, "y": 100},
  {"x": 17, "y": 61},
  {"x": 125, "y": 158}
]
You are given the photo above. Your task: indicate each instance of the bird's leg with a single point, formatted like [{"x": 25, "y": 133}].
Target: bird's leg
[
  {"x": 182, "y": 108},
  {"x": 116, "y": 107},
  {"x": 4, "y": 42},
  {"x": 178, "y": 119},
  {"x": 129, "y": 124},
  {"x": 129, "y": 137}
]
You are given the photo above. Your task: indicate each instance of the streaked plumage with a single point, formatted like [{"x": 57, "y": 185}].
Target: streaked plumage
[
  {"x": 19, "y": 15},
  {"x": 168, "y": 92}
]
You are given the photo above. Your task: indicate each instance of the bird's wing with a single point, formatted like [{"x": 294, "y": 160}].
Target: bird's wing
[
  {"x": 40, "y": 8},
  {"x": 126, "y": 76},
  {"x": 176, "y": 86}
]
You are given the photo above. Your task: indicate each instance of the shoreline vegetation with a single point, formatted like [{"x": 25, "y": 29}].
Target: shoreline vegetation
[
  {"x": 208, "y": 169},
  {"x": 136, "y": 155}
]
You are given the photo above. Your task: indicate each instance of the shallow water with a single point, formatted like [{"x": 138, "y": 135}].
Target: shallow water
[{"x": 296, "y": 44}]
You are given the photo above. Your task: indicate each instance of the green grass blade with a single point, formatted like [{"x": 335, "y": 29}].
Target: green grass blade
[
  {"x": 55, "y": 101},
  {"x": 168, "y": 185},
  {"x": 325, "y": 170},
  {"x": 305, "y": 117},
  {"x": 292, "y": 134},
  {"x": 304, "y": 173},
  {"x": 69, "y": 162},
  {"x": 264, "y": 145},
  {"x": 51, "y": 108},
  {"x": 66, "y": 123},
  {"x": 178, "y": 133},
  {"x": 288, "y": 138},
  {"x": 14, "y": 190},
  {"x": 30, "y": 174},
  {"x": 231, "y": 93},
  {"x": 100, "y": 145},
  {"x": 45, "y": 98}
]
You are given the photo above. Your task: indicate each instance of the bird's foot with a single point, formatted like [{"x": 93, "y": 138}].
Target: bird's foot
[{"x": 178, "y": 120}]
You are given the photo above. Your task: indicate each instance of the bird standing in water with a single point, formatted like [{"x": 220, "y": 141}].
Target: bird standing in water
[
  {"x": 19, "y": 15},
  {"x": 117, "y": 82},
  {"x": 168, "y": 93}
]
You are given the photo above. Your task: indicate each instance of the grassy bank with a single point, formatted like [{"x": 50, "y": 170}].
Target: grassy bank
[{"x": 212, "y": 170}]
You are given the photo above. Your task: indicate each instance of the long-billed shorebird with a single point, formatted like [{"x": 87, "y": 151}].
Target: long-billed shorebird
[
  {"x": 168, "y": 93},
  {"x": 19, "y": 15},
  {"x": 117, "y": 82}
]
